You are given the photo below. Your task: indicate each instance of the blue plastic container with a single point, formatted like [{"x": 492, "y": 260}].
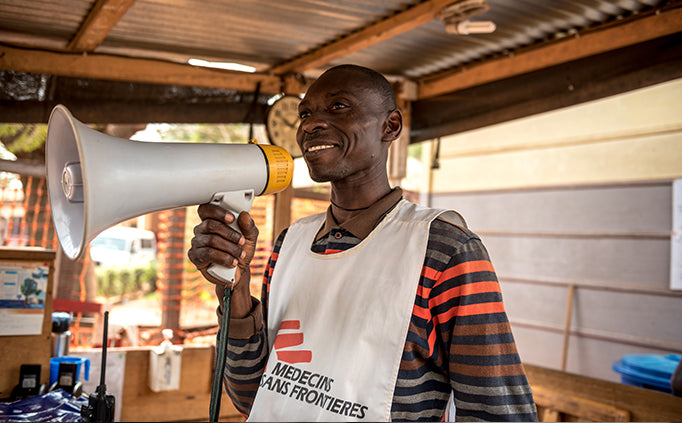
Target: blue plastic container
[
  {"x": 54, "y": 367},
  {"x": 650, "y": 371}
]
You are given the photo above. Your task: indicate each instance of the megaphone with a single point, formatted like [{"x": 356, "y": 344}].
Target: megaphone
[{"x": 96, "y": 180}]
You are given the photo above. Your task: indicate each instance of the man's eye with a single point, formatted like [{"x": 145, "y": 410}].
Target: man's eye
[
  {"x": 302, "y": 115},
  {"x": 337, "y": 106}
]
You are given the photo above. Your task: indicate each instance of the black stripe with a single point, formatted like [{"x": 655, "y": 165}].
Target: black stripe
[{"x": 267, "y": 169}]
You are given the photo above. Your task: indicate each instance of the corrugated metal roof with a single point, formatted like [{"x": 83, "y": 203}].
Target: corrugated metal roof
[
  {"x": 519, "y": 23},
  {"x": 261, "y": 33},
  {"x": 264, "y": 33}
]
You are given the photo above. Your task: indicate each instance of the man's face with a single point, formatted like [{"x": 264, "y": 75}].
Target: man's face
[{"x": 342, "y": 123}]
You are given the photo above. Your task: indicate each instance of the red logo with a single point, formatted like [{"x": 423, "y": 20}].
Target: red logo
[{"x": 289, "y": 336}]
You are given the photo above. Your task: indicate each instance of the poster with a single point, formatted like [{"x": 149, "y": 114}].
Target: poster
[{"x": 23, "y": 287}]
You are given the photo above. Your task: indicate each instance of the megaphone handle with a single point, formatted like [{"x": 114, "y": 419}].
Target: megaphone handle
[
  {"x": 223, "y": 273},
  {"x": 235, "y": 202},
  {"x": 221, "y": 358}
]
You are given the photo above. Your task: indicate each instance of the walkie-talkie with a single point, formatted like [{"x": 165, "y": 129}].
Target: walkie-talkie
[{"x": 101, "y": 404}]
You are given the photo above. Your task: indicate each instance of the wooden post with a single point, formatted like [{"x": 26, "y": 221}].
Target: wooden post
[
  {"x": 172, "y": 255},
  {"x": 397, "y": 155},
  {"x": 567, "y": 326},
  {"x": 282, "y": 217}
]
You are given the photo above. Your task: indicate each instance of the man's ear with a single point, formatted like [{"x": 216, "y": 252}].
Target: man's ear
[{"x": 393, "y": 126}]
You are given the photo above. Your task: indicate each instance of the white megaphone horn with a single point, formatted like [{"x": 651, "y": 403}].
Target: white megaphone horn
[{"x": 96, "y": 181}]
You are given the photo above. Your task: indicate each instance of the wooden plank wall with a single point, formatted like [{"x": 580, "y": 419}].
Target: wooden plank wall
[
  {"x": 188, "y": 403},
  {"x": 609, "y": 244}
]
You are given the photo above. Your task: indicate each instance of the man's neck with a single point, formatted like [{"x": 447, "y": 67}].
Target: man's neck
[{"x": 350, "y": 201}]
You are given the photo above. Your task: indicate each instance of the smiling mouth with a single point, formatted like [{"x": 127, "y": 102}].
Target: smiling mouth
[{"x": 318, "y": 148}]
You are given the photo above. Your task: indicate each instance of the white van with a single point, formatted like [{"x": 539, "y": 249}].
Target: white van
[{"x": 123, "y": 246}]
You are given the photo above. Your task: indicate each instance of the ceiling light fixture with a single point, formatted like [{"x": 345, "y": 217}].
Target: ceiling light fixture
[
  {"x": 470, "y": 27},
  {"x": 221, "y": 65},
  {"x": 456, "y": 16}
]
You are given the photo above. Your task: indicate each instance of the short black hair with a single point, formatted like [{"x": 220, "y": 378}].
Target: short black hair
[{"x": 379, "y": 81}]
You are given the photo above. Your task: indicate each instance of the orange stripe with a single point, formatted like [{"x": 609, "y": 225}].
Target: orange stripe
[
  {"x": 474, "y": 309},
  {"x": 293, "y": 357},
  {"x": 464, "y": 310},
  {"x": 469, "y": 310},
  {"x": 430, "y": 273},
  {"x": 285, "y": 340},
  {"x": 421, "y": 312},
  {"x": 290, "y": 324},
  {"x": 464, "y": 290},
  {"x": 268, "y": 274},
  {"x": 453, "y": 272},
  {"x": 423, "y": 292},
  {"x": 432, "y": 342},
  {"x": 467, "y": 267}
]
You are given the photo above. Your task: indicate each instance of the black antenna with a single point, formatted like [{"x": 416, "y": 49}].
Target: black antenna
[
  {"x": 101, "y": 404},
  {"x": 105, "y": 338}
]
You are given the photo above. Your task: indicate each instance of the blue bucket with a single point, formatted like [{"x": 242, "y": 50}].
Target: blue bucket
[
  {"x": 54, "y": 367},
  {"x": 650, "y": 371}
]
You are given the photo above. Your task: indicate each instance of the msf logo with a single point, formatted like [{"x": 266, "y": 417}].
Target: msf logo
[{"x": 288, "y": 338}]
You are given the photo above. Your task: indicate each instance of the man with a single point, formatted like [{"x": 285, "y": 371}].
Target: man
[{"x": 378, "y": 310}]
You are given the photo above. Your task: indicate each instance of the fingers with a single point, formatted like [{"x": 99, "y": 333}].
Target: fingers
[
  {"x": 212, "y": 211},
  {"x": 248, "y": 228},
  {"x": 220, "y": 229},
  {"x": 249, "y": 237},
  {"x": 215, "y": 242}
]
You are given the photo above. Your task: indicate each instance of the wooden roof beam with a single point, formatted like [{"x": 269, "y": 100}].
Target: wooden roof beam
[
  {"x": 116, "y": 68},
  {"x": 104, "y": 15},
  {"x": 389, "y": 27},
  {"x": 638, "y": 30}
]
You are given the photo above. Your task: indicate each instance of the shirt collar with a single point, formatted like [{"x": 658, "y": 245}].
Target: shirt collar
[{"x": 363, "y": 223}]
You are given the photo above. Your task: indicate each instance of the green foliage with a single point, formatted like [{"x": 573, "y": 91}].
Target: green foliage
[
  {"x": 116, "y": 281},
  {"x": 22, "y": 138}
]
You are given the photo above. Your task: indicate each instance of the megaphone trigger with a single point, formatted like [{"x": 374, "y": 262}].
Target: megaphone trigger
[{"x": 235, "y": 202}]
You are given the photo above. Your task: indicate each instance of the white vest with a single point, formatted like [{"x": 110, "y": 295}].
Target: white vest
[{"x": 337, "y": 323}]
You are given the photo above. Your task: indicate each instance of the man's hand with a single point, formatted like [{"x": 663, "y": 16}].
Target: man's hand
[{"x": 215, "y": 242}]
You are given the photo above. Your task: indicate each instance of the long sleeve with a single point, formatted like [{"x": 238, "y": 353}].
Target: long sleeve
[
  {"x": 245, "y": 363},
  {"x": 460, "y": 339},
  {"x": 486, "y": 373},
  {"x": 247, "y": 352}
]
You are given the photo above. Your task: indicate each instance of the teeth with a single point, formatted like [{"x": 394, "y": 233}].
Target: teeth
[{"x": 320, "y": 147}]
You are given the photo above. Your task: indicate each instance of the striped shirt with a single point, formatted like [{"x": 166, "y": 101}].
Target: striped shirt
[{"x": 459, "y": 339}]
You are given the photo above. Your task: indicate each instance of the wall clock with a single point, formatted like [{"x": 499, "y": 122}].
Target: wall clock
[{"x": 281, "y": 123}]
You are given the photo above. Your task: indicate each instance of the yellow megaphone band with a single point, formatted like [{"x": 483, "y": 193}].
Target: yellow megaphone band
[{"x": 280, "y": 167}]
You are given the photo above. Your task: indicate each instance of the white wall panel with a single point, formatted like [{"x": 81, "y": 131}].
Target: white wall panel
[{"x": 611, "y": 243}]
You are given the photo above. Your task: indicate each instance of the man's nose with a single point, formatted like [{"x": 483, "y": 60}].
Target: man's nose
[{"x": 314, "y": 122}]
